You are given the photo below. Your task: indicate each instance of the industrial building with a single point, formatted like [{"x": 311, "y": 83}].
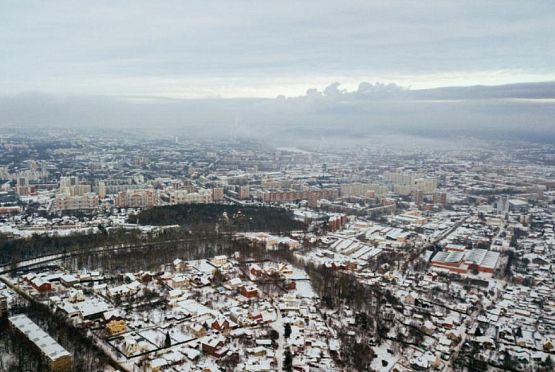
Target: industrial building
[{"x": 481, "y": 260}]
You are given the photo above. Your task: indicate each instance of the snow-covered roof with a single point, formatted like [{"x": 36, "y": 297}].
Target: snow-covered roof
[{"x": 40, "y": 338}]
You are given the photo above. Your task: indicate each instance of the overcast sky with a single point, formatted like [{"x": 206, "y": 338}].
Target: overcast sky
[
  {"x": 288, "y": 70},
  {"x": 191, "y": 49}
]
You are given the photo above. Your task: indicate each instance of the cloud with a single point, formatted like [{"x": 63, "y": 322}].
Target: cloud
[
  {"x": 242, "y": 48},
  {"x": 518, "y": 111}
]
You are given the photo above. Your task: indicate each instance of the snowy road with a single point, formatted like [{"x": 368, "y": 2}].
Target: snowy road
[{"x": 278, "y": 326}]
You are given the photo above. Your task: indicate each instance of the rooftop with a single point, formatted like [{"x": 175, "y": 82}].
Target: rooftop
[{"x": 44, "y": 342}]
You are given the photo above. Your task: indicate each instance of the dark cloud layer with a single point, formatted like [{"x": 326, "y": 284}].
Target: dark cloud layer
[{"x": 517, "y": 111}]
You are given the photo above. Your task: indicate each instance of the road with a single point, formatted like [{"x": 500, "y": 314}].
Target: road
[{"x": 278, "y": 326}]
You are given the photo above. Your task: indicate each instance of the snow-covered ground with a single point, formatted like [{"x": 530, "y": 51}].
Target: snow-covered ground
[{"x": 382, "y": 354}]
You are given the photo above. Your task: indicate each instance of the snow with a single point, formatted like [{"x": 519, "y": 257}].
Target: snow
[
  {"x": 382, "y": 354},
  {"x": 304, "y": 289}
]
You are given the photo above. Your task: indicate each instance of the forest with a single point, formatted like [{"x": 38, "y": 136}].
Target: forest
[
  {"x": 220, "y": 218},
  {"x": 13, "y": 249},
  {"x": 198, "y": 220}
]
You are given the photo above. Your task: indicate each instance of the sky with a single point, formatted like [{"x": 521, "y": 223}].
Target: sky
[
  {"x": 200, "y": 49},
  {"x": 287, "y": 70}
]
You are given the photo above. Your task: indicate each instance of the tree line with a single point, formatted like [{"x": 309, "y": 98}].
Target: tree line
[
  {"x": 17, "y": 249},
  {"x": 220, "y": 217}
]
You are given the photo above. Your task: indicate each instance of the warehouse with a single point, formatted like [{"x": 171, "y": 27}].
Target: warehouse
[{"x": 481, "y": 260}]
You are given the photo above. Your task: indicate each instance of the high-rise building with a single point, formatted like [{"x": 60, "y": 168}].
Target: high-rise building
[
  {"x": 426, "y": 185},
  {"x": 69, "y": 181},
  {"x": 22, "y": 188},
  {"x": 502, "y": 204},
  {"x": 22, "y": 181},
  {"x": 136, "y": 198},
  {"x": 440, "y": 197},
  {"x": 312, "y": 195},
  {"x": 218, "y": 194},
  {"x": 101, "y": 189},
  {"x": 418, "y": 196},
  {"x": 72, "y": 187},
  {"x": 244, "y": 192},
  {"x": 405, "y": 183},
  {"x": 66, "y": 202},
  {"x": 363, "y": 190},
  {"x": 119, "y": 184},
  {"x": 185, "y": 197}
]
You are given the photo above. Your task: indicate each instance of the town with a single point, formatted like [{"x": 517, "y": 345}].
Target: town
[
  {"x": 289, "y": 186},
  {"x": 171, "y": 254}
]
